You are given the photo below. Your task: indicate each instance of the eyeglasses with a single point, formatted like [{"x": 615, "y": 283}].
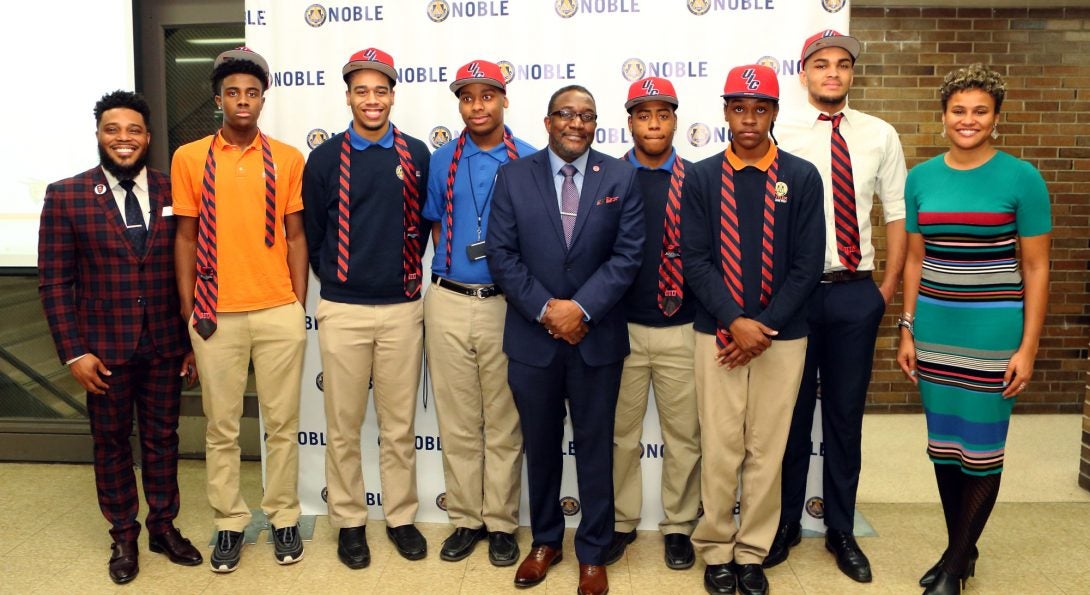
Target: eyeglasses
[{"x": 568, "y": 115}]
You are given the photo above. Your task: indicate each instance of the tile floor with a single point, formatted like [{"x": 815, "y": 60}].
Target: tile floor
[{"x": 1038, "y": 541}]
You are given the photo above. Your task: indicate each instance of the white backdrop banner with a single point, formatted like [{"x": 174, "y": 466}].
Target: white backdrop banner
[{"x": 542, "y": 45}]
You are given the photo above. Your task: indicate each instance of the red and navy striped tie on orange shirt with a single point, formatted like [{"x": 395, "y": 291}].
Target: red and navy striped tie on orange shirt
[
  {"x": 730, "y": 250},
  {"x": 512, "y": 154},
  {"x": 206, "y": 295},
  {"x": 845, "y": 219},
  {"x": 413, "y": 239}
]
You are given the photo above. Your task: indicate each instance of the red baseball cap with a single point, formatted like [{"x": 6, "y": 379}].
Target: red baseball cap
[
  {"x": 752, "y": 80},
  {"x": 651, "y": 88},
  {"x": 830, "y": 39},
  {"x": 245, "y": 54},
  {"x": 371, "y": 59},
  {"x": 479, "y": 71}
]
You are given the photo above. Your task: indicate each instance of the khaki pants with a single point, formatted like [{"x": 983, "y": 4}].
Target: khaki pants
[
  {"x": 662, "y": 357},
  {"x": 745, "y": 415},
  {"x": 361, "y": 343},
  {"x": 275, "y": 339},
  {"x": 478, "y": 420}
]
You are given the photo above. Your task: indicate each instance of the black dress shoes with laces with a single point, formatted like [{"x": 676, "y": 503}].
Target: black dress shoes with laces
[
  {"x": 787, "y": 536},
  {"x": 849, "y": 558}
]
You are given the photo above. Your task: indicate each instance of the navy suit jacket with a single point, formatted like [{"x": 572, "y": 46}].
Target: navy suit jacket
[
  {"x": 529, "y": 259},
  {"x": 95, "y": 288}
]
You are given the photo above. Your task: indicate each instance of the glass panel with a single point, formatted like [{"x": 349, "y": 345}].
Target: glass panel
[
  {"x": 189, "y": 52},
  {"x": 34, "y": 384}
]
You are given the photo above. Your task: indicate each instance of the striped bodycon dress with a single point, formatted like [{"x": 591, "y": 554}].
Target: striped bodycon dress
[{"x": 969, "y": 309}]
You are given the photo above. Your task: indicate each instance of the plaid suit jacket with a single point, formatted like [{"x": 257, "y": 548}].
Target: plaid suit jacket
[{"x": 95, "y": 289}]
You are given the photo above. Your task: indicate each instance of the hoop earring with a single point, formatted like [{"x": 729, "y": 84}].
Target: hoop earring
[{"x": 995, "y": 131}]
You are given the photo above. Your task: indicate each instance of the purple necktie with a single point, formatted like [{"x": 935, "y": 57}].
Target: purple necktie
[{"x": 569, "y": 201}]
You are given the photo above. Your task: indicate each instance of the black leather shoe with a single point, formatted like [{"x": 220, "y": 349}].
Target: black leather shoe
[
  {"x": 460, "y": 544},
  {"x": 678, "y": 551},
  {"x": 787, "y": 536},
  {"x": 929, "y": 576},
  {"x": 618, "y": 545},
  {"x": 124, "y": 565},
  {"x": 849, "y": 558},
  {"x": 352, "y": 547},
  {"x": 408, "y": 540},
  {"x": 503, "y": 549},
  {"x": 751, "y": 579},
  {"x": 179, "y": 549},
  {"x": 719, "y": 578}
]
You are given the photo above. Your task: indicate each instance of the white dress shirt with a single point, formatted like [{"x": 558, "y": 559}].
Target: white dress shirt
[
  {"x": 140, "y": 189},
  {"x": 878, "y": 168}
]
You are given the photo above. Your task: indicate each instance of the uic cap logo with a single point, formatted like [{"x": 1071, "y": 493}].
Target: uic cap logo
[
  {"x": 699, "y": 134},
  {"x": 316, "y": 137},
  {"x": 566, "y": 8},
  {"x": 474, "y": 69},
  {"x": 438, "y": 10},
  {"x": 752, "y": 82},
  {"x": 315, "y": 15},
  {"x": 649, "y": 88},
  {"x": 440, "y": 135},
  {"x": 699, "y": 7},
  {"x": 633, "y": 69}
]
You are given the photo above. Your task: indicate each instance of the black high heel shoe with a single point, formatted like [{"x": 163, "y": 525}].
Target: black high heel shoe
[
  {"x": 946, "y": 584},
  {"x": 929, "y": 576}
]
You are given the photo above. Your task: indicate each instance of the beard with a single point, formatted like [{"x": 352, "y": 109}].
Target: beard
[
  {"x": 830, "y": 100},
  {"x": 119, "y": 171}
]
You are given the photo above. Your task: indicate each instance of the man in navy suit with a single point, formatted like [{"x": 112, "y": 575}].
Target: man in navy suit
[{"x": 564, "y": 242}]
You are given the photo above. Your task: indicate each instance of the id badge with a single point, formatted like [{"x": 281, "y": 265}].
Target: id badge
[{"x": 475, "y": 251}]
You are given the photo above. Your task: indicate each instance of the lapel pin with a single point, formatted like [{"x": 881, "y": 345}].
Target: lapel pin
[
  {"x": 596, "y": 169},
  {"x": 100, "y": 189}
]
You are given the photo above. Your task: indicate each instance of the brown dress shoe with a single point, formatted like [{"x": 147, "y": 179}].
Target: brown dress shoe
[
  {"x": 592, "y": 580},
  {"x": 533, "y": 569},
  {"x": 123, "y": 562},
  {"x": 179, "y": 549}
]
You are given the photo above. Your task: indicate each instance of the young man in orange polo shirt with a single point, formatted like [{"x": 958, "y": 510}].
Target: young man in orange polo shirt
[{"x": 241, "y": 260}]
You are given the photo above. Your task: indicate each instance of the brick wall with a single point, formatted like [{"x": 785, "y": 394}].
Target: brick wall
[{"x": 1044, "y": 53}]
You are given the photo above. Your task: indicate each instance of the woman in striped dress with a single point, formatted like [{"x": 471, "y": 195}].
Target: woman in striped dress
[{"x": 972, "y": 320}]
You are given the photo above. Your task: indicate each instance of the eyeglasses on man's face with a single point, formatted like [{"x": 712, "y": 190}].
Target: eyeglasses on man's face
[{"x": 567, "y": 115}]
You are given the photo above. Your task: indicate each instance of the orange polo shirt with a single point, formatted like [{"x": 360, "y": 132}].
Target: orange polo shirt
[{"x": 252, "y": 276}]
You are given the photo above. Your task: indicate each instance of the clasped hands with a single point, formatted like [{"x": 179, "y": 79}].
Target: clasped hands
[
  {"x": 749, "y": 339},
  {"x": 564, "y": 320}
]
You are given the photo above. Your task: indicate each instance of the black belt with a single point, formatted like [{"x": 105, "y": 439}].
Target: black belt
[
  {"x": 842, "y": 276},
  {"x": 486, "y": 291}
]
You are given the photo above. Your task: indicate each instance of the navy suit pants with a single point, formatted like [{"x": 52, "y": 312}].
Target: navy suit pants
[
  {"x": 592, "y": 399},
  {"x": 844, "y": 320}
]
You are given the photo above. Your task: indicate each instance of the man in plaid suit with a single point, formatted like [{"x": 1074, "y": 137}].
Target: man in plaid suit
[{"x": 106, "y": 273}]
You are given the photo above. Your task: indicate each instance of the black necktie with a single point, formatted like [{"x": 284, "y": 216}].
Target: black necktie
[{"x": 134, "y": 218}]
